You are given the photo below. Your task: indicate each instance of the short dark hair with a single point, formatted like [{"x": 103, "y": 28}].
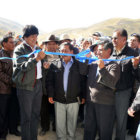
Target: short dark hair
[
  {"x": 122, "y": 32},
  {"x": 71, "y": 47},
  {"x": 136, "y": 35},
  {"x": 107, "y": 45},
  {"x": 76, "y": 50},
  {"x": 5, "y": 38},
  {"x": 30, "y": 30}
]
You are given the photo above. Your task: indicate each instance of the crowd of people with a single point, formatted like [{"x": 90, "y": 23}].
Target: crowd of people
[{"x": 62, "y": 91}]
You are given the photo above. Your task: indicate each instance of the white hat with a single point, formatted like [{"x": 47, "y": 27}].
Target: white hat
[{"x": 65, "y": 37}]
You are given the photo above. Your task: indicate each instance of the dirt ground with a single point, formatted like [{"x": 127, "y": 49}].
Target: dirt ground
[{"x": 50, "y": 135}]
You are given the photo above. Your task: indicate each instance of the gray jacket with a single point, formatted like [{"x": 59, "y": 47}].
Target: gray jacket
[{"x": 24, "y": 69}]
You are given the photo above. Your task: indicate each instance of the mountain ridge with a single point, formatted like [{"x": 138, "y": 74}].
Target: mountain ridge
[{"x": 106, "y": 27}]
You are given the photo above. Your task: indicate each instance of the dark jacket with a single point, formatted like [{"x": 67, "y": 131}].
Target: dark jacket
[
  {"x": 43, "y": 79},
  {"x": 24, "y": 68},
  {"x": 100, "y": 88},
  {"x": 54, "y": 82},
  {"x": 49, "y": 59},
  {"x": 128, "y": 73},
  {"x": 6, "y": 69}
]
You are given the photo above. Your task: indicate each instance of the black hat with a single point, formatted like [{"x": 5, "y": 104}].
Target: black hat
[
  {"x": 30, "y": 30},
  {"x": 52, "y": 38},
  {"x": 96, "y": 34}
]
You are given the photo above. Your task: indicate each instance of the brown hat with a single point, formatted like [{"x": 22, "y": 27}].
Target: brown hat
[{"x": 52, "y": 38}]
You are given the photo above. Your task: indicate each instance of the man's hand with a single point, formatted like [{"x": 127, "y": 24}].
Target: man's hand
[
  {"x": 51, "y": 100},
  {"x": 83, "y": 101},
  {"x": 46, "y": 65},
  {"x": 100, "y": 63},
  {"x": 131, "y": 112},
  {"x": 88, "y": 55},
  {"x": 135, "y": 61},
  {"x": 40, "y": 56}
]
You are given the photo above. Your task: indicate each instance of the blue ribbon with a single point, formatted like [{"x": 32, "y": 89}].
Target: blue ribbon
[{"x": 80, "y": 56}]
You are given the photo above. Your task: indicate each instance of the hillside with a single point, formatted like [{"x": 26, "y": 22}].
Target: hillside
[
  {"x": 106, "y": 27},
  {"x": 8, "y": 25}
]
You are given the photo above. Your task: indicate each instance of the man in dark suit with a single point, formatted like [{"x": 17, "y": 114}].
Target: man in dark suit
[
  {"x": 102, "y": 79},
  {"x": 64, "y": 85},
  {"x": 129, "y": 69}
]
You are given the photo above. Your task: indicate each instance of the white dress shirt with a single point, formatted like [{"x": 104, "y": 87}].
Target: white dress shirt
[{"x": 39, "y": 64}]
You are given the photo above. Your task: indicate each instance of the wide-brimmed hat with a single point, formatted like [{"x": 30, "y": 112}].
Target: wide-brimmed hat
[
  {"x": 52, "y": 38},
  {"x": 65, "y": 37}
]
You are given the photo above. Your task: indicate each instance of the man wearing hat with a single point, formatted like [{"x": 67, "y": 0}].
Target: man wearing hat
[
  {"x": 27, "y": 73},
  {"x": 51, "y": 45}
]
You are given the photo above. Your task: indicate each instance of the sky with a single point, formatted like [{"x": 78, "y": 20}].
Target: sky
[{"x": 50, "y": 15}]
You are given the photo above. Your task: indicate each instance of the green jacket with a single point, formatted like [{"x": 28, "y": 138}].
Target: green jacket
[{"x": 24, "y": 69}]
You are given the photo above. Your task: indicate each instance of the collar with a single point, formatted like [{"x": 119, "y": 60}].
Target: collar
[
  {"x": 29, "y": 45},
  {"x": 71, "y": 61},
  {"x": 106, "y": 62},
  {"x": 7, "y": 52},
  {"x": 120, "y": 51},
  {"x": 123, "y": 51}
]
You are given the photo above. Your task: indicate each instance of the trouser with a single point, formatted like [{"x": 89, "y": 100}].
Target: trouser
[
  {"x": 81, "y": 112},
  {"x": 121, "y": 106},
  {"x": 66, "y": 120},
  {"x": 99, "y": 117},
  {"x": 14, "y": 116},
  {"x": 138, "y": 133},
  {"x": 45, "y": 115},
  {"x": 133, "y": 122},
  {"x": 30, "y": 104},
  {"x": 4, "y": 104}
]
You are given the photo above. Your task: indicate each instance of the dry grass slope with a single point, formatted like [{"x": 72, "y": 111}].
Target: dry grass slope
[
  {"x": 8, "y": 25},
  {"x": 106, "y": 27}
]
